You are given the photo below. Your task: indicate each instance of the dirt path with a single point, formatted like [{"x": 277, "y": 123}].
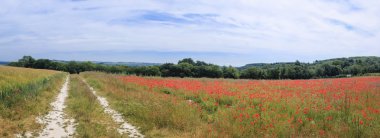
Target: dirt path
[
  {"x": 124, "y": 127},
  {"x": 56, "y": 124}
]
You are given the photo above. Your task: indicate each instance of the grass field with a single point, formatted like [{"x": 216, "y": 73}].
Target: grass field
[
  {"x": 83, "y": 106},
  {"x": 173, "y": 107},
  {"x": 187, "y": 107},
  {"x": 154, "y": 113},
  {"x": 24, "y": 95}
]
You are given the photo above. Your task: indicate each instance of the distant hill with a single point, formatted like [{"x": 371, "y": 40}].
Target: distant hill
[
  {"x": 317, "y": 62},
  {"x": 3, "y": 62},
  {"x": 259, "y": 65},
  {"x": 130, "y": 64}
]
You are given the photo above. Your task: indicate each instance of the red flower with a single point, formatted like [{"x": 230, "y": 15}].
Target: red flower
[
  {"x": 321, "y": 132},
  {"x": 300, "y": 120},
  {"x": 256, "y": 115}
]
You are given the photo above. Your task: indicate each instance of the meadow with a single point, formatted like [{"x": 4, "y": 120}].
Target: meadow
[
  {"x": 83, "y": 107},
  {"x": 175, "y": 107},
  {"x": 193, "y": 107},
  {"x": 25, "y": 94}
]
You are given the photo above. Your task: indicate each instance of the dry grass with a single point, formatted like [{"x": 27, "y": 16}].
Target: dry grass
[
  {"x": 83, "y": 106},
  {"x": 157, "y": 115},
  {"x": 25, "y": 95}
]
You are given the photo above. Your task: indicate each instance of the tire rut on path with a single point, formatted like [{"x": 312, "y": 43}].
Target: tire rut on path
[
  {"x": 56, "y": 124},
  {"x": 124, "y": 127}
]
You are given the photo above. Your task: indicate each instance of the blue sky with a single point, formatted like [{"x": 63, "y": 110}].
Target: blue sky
[{"x": 225, "y": 32}]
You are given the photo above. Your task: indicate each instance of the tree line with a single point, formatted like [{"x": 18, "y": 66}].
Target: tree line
[{"x": 187, "y": 67}]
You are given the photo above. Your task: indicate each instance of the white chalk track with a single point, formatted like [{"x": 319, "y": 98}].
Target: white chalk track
[
  {"x": 56, "y": 124},
  {"x": 124, "y": 127}
]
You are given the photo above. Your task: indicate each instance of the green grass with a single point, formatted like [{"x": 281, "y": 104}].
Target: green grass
[
  {"x": 25, "y": 95},
  {"x": 83, "y": 106},
  {"x": 156, "y": 114},
  {"x": 265, "y": 108}
]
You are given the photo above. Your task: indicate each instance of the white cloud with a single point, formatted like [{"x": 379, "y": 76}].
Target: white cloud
[{"x": 319, "y": 28}]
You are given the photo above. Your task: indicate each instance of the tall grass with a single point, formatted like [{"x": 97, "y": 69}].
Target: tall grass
[
  {"x": 24, "y": 95},
  {"x": 19, "y": 83},
  {"x": 83, "y": 106},
  {"x": 156, "y": 114},
  {"x": 346, "y": 107}
]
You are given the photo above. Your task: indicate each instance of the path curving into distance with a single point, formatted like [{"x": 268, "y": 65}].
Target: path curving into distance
[
  {"x": 124, "y": 127},
  {"x": 56, "y": 124}
]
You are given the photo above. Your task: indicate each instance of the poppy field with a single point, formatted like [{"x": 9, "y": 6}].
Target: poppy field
[{"x": 188, "y": 107}]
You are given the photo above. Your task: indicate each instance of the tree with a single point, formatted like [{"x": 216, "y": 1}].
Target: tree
[
  {"x": 152, "y": 71},
  {"x": 319, "y": 72},
  {"x": 297, "y": 63},
  {"x": 188, "y": 68},
  {"x": 213, "y": 71},
  {"x": 273, "y": 73},
  {"x": 73, "y": 67},
  {"x": 26, "y": 61},
  {"x": 87, "y": 66},
  {"x": 167, "y": 69},
  {"x": 116, "y": 69},
  {"x": 185, "y": 69},
  {"x": 330, "y": 70},
  {"x": 355, "y": 70},
  {"x": 290, "y": 72},
  {"x": 252, "y": 73},
  {"x": 42, "y": 64},
  {"x": 187, "y": 60},
  {"x": 58, "y": 66},
  {"x": 230, "y": 72},
  {"x": 201, "y": 63}
]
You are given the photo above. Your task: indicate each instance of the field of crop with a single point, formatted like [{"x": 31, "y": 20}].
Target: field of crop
[
  {"x": 24, "y": 95},
  {"x": 174, "y": 107}
]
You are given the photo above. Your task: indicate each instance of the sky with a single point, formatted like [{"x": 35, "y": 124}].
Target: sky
[{"x": 224, "y": 32}]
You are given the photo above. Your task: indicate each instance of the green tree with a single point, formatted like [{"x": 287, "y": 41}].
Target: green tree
[
  {"x": 331, "y": 70},
  {"x": 230, "y": 72},
  {"x": 74, "y": 67},
  {"x": 187, "y": 60},
  {"x": 42, "y": 64},
  {"x": 201, "y": 63},
  {"x": 167, "y": 70},
  {"x": 185, "y": 69},
  {"x": 26, "y": 61},
  {"x": 252, "y": 73}
]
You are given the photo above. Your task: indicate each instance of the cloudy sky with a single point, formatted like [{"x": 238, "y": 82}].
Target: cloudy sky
[{"x": 225, "y": 32}]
